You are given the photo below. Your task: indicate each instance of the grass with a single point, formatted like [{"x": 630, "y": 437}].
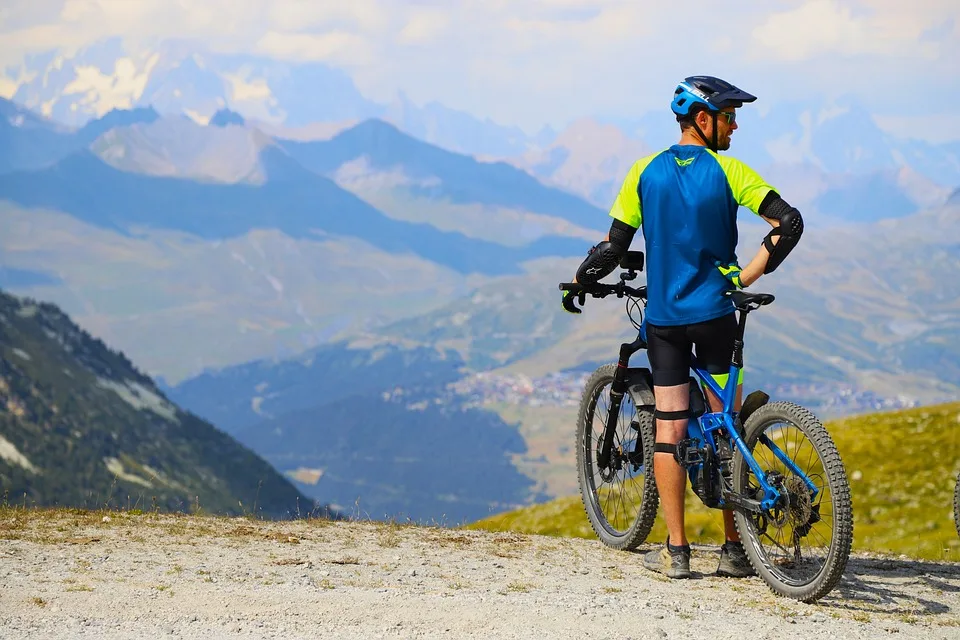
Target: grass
[
  {"x": 518, "y": 586},
  {"x": 902, "y": 467}
]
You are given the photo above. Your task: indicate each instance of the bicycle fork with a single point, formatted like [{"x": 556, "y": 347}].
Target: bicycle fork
[{"x": 617, "y": 390}]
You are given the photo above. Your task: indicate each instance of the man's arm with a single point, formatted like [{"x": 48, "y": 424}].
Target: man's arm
[
  {"x": 753, "y": 192},
  {"x": 787, "y": 226},
  {"x": 604, "y": 257}
]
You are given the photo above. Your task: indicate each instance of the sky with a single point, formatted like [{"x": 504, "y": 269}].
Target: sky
[{"x": 537, "y": 62}]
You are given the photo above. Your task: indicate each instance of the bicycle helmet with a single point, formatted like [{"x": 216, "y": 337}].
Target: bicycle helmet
[{"x": 715, "y": 94}]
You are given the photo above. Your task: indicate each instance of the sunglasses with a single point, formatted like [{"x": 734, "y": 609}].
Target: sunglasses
[{"x": 731, "y": 116}]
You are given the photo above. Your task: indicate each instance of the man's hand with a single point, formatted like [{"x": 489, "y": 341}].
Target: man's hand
[
  {"x": 731, "y": 272},
  {"x": 567, "y": 302}
]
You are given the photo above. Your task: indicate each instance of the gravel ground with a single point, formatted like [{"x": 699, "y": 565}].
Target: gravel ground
[{"x": 96, "y": 575}]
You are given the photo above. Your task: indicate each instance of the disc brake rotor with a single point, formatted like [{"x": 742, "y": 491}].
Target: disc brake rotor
[{"x": 608, "y": 473}]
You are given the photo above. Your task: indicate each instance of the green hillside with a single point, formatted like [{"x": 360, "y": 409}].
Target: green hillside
[
  {"x": 80, "y": 426},
  {"x": 902, "y": 466}
]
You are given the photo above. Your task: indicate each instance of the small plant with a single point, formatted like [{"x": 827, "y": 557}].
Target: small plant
[
  {"x": 40, "y": 602},
  {"x": 79, "y": 587},
  {"x": 388, "y": 537},
  {"x": 519, "y": 587},
  {"x": 616, "y": 573}
]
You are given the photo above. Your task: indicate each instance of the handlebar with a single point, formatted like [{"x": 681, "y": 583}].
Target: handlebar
[{"x": 601, "y": 290}]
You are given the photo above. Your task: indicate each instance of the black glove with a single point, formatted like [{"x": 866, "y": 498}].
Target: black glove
[{"x": 567, "y": 302}]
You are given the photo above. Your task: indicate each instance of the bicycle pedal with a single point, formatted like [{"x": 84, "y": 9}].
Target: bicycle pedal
[{"x": 688, "y": 453}]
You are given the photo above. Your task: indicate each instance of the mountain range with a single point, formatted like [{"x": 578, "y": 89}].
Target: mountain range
[
  {"x": 184, "y": 77},
  {"x": 315, "y": 298},
  {"x": 232, "y": 230},
  {"x": 371, "y": 188},
  {"x": 291, "y": 99}
]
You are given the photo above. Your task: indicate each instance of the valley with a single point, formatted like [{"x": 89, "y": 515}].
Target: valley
[{"x": 373, "y": 310}]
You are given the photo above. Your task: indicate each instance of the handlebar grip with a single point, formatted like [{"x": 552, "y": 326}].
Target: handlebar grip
[{"x": 571, "y": 286}]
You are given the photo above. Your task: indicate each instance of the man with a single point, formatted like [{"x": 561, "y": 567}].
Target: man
[{"x": 686, "y": 199}]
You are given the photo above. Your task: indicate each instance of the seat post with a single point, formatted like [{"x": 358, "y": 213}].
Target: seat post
[{"x": 738, "y": 342}]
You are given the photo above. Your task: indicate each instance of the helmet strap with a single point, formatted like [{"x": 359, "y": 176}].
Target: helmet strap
[{"x": 712, "y": 147}]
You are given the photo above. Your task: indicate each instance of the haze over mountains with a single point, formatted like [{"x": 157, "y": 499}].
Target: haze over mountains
[
  {"x": 181, "y": 77},
  {"x": 314, "y": 295}
]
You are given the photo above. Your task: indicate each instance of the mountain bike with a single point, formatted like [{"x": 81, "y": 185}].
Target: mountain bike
[{"x": 772, "y": 463}]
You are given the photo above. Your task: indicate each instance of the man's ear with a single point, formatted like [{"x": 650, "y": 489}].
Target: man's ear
[{"x": 703, "y": 119}]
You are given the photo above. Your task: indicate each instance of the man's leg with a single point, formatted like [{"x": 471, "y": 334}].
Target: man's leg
[
  {"x": 714, "y": 343},
  {"x": 669, "y": 351},
  {"x": 671, "y": 478}
]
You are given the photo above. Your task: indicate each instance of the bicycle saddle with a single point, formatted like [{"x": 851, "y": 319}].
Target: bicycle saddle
[{"x": 749, "y": 301}]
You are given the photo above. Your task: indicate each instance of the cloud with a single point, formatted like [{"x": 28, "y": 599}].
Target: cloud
[
  {"x": 822, "y": 28},
  {"x": 529, "y": 62},
  {"x": 424, "y": 26},
  {"x": 337, "y": 46}
]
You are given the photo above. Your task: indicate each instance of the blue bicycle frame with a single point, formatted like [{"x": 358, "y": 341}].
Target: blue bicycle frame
[{"x": 705, "y": 427}]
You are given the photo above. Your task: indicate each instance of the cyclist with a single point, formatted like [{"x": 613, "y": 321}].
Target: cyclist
[{"x": 686, "y": 199}]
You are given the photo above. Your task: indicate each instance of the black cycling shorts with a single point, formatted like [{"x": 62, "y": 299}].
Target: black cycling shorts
[{"x": 670, "y": 349}]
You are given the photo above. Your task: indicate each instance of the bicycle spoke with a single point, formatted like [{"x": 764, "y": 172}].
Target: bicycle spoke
[{"x": 796, "y": 550}]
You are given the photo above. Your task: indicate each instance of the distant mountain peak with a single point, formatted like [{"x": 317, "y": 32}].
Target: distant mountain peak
[
  {"x": 378, "y": 125},
  {"x": 117, "y": 118},
  {"x": 225, "y": 118}
]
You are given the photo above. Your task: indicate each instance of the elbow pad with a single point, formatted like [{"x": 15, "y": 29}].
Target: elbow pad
[
  {"x": 790, "y": 230},
  {"x": 603, "y": 258}
]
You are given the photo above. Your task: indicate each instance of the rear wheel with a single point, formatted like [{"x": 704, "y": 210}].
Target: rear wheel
[
  {"x": 800, "y": 547},
  {"x": 621, "y": 499}
]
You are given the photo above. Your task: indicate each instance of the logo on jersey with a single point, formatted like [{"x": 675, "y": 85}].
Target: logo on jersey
[{"x": 684, "y": 163}]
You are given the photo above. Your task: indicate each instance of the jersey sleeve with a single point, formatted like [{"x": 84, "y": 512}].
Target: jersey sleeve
[
  {"x": 748, "y": 188},
  {"x": 626, "y": 208}
]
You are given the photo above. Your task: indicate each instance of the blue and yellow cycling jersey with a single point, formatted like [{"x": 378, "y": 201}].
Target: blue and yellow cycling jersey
[{"x": 686, "y": 199}]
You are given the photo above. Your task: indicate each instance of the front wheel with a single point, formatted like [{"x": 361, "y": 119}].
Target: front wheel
[
  {"x": 620, "y": 499},
  {"x": 801, "y": 546}
]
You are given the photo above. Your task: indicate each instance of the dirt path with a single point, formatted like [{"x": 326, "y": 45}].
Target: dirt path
[{"x": 66, "y": 575}]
